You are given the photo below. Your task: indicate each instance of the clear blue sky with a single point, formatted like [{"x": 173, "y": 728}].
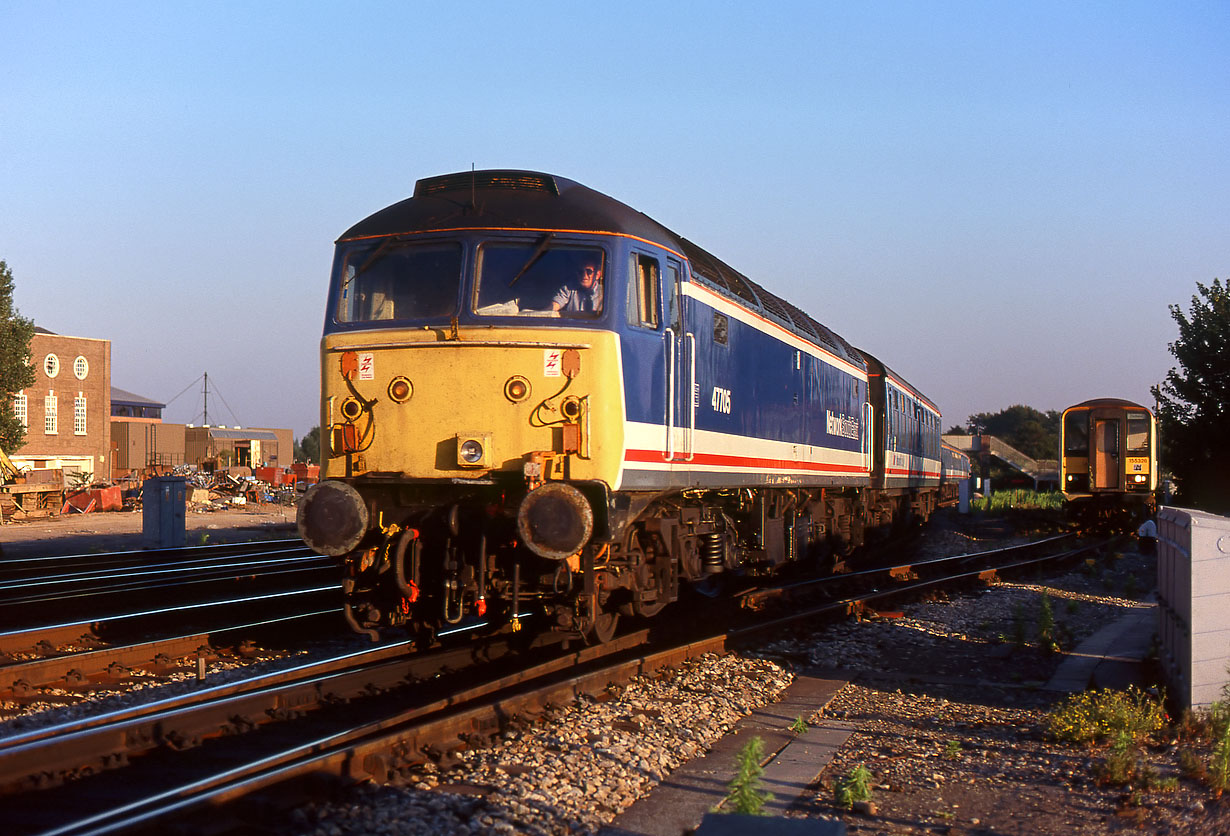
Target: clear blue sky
[{"x": 998, "y": 199}]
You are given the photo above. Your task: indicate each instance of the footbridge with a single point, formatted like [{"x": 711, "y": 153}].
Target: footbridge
[{"x": 1043, "y": 472}]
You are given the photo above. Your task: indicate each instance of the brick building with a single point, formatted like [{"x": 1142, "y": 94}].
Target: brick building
[{"x": 67, "y": 410}]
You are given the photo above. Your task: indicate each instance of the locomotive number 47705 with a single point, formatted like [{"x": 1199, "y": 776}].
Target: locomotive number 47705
[{"x": 720, "y": 401}]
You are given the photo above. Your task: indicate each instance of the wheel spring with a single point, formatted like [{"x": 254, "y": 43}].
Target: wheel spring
[{"x": 712, "y": 552}]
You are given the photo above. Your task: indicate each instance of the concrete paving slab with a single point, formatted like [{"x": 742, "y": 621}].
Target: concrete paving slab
[
  {"x": 716, "y": 824},
  {"x": 1111, "y": 657},
  {"x": 680, "y": 802}
]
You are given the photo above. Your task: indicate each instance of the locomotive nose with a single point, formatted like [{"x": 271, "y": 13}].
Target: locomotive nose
[
  {"x": 332, "y": 518},
  {"x": 555, "y": 520}
]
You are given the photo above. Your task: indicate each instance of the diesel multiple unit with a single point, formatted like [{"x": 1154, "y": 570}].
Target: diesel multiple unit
[
  {"x": 1108, "y": 460},
  {"x": 538, "y": 401}
]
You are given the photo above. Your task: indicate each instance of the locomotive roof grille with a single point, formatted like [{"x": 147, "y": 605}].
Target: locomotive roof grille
[
  {"x": 520, "y": 180},
  {"x": 723, "y": 275}
]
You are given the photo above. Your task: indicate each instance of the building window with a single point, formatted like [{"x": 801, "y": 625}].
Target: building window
[
  {"x": 81, "y": 367},
  {"x": 51, "y": 423},
  {"x": 51, "y": 365},
  {"x": 21, "y": 409},
  {"x": 79, "y": 414}
]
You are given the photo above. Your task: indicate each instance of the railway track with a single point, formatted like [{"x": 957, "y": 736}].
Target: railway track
[
  {"x": 206, "y": 596},
  {"x": 369, "y": 714},
  {"x": 36, "y": 590}
]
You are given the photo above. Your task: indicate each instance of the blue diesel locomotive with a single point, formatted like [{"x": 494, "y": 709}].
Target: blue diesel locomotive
[{"x": 537, "y": 400}]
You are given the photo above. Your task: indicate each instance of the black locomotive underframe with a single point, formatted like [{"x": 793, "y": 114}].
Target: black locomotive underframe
[{"x": 441, "y": 554}]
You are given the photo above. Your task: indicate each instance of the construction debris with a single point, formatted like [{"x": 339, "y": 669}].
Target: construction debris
[{"x": 39, "y": 495}]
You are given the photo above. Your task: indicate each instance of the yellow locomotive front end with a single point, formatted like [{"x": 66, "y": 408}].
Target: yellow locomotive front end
[
  {"x": 472, "y": 428},
  {"x": 471, "y": 405}
]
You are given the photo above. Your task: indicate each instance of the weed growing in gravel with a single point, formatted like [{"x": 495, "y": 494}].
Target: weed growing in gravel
[
  {"x": 1120, "y": 766},
  {"x": 952, "y": 750},
  {"x": 799, "y": 725},
  {"x": 1192, "y": 766},
  {"x": 744, "y": 793},
  {"x": 1018, "y": 625},
  {"x": 1095, "y": 716},
  {"x": 1046, "y": 625},
  {"x": 854, "y": 788},
  {"x": 1219, "y": 767}
]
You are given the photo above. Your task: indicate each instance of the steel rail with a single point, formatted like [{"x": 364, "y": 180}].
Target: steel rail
[
  {"x": 86, "y": 632},
  {"x": 21, "y": 677}
]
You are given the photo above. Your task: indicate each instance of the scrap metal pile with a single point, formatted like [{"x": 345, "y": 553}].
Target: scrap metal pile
[{"x": 206, "y": 490}]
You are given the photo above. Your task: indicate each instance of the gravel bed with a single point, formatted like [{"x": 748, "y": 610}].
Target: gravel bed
[
  {"x": 573, "y": 771},
  {"x": 947, "y": 700}
]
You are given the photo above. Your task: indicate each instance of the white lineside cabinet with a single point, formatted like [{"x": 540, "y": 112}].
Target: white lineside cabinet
[{"x": 1193, "y": 587}]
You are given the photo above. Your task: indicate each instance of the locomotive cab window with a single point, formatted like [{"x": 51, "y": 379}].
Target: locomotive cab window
[
  {"x": 388, "y": 281},
  {"x": 644, "y": 293},
  {"x": 539, "y": 279}
]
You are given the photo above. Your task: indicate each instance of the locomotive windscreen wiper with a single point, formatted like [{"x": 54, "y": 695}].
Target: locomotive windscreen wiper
[
  {"x": 534, "y": 256},
  {"x": 384, "y": 247}
]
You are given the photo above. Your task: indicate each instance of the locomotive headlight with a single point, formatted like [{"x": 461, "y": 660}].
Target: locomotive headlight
[
  {"x": 474, "y": 449},
  {"x": 400, "y": 389},
  {"x": 471, "y": 452}
]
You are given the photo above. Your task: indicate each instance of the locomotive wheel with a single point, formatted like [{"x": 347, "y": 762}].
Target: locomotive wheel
[{"x": 604, "y": 627}]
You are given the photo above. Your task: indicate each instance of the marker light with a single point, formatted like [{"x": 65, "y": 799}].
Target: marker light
[
  {"x": 400, "y": 390},
  {"x": 516, "y": 388}
]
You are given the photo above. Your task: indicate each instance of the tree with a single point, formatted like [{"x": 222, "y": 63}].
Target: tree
[
  {"x": 307, "y": 449},
  {"x": 16, "y": 373},
  {"x": 1034, "y": 433},
  {"x": 1193, "y": 403}
]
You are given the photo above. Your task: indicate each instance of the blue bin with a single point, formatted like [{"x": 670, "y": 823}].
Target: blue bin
[{"x": 163, "y": 502}]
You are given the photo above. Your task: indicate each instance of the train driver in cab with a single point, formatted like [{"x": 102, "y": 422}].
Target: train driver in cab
[{"x": 584, "y": 294}]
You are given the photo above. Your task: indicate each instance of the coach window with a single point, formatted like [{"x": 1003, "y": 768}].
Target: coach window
[{"x": 644, "y": 292}]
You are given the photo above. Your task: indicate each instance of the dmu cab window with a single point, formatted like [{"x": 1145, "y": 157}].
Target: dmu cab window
[
  {"x": 539, "y": 279},
  {"x": 1076, "y": 434},
  {"x": 1137, "y": 432},
  {"x": 391, "y": 280}
]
